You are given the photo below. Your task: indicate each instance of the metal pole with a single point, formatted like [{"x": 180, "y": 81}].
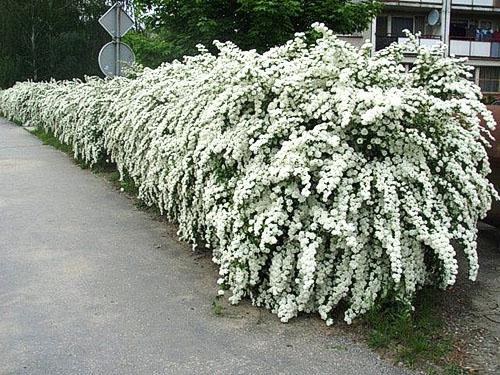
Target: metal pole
[
  {"x": 373, "y": 35},
  {"x": 117, "y": 39},
  {"x": 445, "y": 24}
]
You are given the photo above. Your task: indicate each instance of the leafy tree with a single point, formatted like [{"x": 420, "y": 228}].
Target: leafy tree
[
  {"x": 150, "y": 48},
  {"x": 43, "y": 39},
  {"x": 258, "y": 24}
]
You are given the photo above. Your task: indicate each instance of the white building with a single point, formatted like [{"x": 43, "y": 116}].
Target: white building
[{"x": 468, "y": 27}]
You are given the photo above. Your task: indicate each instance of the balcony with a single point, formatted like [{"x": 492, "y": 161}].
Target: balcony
[
  {"x": 382, "y": 41},
  {"x": 476, "y": 3},
  {"x": 474, "y": 48},
  {"x": 413, "y": 3}
]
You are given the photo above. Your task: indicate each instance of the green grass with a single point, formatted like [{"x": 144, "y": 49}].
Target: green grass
[
  {"x": 217, "y": 307},
  {"x": 128, "y": 185},
  {"x": 105, "y": 169},
  {"x": 50, "y": 139},
  {"x": 14, "y": 120},
  {"x": 414, "y": 338}
]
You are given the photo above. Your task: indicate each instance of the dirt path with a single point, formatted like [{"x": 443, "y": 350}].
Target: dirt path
[{"x": 473, "y": 309}]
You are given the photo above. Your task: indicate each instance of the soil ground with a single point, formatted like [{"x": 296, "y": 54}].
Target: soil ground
[{"x": 472, "y": 309}]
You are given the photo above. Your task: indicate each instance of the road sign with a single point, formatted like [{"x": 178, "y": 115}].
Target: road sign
[
  {"x": 114, "y": 57},
  {"x": 116, "y": 21}
]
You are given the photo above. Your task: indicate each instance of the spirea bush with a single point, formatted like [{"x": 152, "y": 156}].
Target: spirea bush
[{"x": 318, "y": 175}]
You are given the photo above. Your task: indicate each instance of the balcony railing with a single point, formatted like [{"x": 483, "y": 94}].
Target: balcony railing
[
  {"x": 460, "y": 3},
  {"x": 474, "y": 48},
  {"x": 477, "y": 3},
  {"x": 416, "y": 2},
  {"x": 382, "y": 41}
]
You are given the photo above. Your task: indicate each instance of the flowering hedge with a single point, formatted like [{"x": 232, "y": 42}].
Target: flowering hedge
[{"x": 318, "y": 175}]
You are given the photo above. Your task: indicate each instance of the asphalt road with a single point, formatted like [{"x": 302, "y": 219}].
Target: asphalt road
[{"x": 89, "y": 284}]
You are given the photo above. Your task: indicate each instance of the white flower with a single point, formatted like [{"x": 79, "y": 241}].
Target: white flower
[{"x": 318, "y": 175}]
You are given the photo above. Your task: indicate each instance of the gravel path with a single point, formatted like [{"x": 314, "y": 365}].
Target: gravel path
[{"x": 89, "y": 284}]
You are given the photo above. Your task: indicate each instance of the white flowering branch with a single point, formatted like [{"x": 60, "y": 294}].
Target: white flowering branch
[{"x": 316, "y": 173}]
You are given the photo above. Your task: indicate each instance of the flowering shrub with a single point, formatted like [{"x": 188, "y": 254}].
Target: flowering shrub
[{"x": 316, "y": 173}]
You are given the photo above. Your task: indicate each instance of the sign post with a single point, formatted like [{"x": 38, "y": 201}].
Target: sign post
[
  {"x": 116, "y": 39},
  {"x": 116, "y": 55}
]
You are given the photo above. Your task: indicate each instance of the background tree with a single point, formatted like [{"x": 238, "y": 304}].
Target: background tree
[
  {"x": 61, "y": 39},
  {"x": 150, "y": 48},
  {"x": 43, "y": 39},
  {"x": 258, "y": 24}
]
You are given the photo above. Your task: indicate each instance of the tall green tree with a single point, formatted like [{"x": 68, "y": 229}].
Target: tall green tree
[
  {"x": 258, "y": 24},
  {"x": 43, "y": 39}
]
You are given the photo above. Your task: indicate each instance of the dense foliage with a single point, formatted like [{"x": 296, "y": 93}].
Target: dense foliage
[
  {"x": 150, "y": 49},
  {"x": 43, "y": 39},
  {"x": 318, "y": 175},
  {"x": 258, "y": 24},
  {"x": 61, "y": 39}
]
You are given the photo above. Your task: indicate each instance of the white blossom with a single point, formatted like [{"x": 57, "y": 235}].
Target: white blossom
[{"x": 316, "y": 173}]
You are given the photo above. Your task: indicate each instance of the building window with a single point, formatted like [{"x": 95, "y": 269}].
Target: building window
[
  {"x": 398, "y": 24},
  {"x": 472, "y": 78},
  {"x": 489, "y": 78},
  {"x": 381, "y": 26},
  {"x": 420, "y": 25},
  {"x": 408, "y": 67},
  {"x": 469, "y": 29},
  {"x": 460, "y": 29},
  {"x": 382, "y": 38}
]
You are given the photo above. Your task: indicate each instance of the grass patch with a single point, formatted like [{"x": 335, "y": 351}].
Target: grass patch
[
  {"x": 128, "y": 185},
  {"x": 48, "y": 138},
  {"x": 14, "y": 120},
  {"x": 217, "y": 307},
  {"x": 106, "y": 169},
  {"x": 415, "y": 338}
]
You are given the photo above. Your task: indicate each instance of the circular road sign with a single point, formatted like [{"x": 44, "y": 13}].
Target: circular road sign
[{"x": 110, "y": 53}]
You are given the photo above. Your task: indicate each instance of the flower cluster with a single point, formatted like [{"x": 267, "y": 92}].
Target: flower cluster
[{"x": 316, "y": 173}]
